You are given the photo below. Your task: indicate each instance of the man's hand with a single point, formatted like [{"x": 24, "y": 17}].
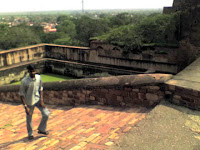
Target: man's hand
[{"x": 42, "y": 104}]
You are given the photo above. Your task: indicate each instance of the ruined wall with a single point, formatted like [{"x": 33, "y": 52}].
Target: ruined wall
[
  {"x": 19, "y": 55},
  {"x": 143, "y": 90},
  {"x": 18, "y": 72},
  {"x": 161, "y": 59},
  {"x": 183, "y": 96},
  {"x": 62, "y": 52},
  {"x": 109, "y": 55},
  {"x": 81, "y": 70},
  {"x": 181, "y": 5}
]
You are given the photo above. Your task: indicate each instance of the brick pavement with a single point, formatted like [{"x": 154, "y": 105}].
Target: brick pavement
[{"x": 71, "y": 128}]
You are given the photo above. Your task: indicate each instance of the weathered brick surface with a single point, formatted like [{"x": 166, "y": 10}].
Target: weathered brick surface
[
  {"x": 85, "y": 127},
  {"x": 126, "y": 96},
  {"x": 182, "y": 96}
]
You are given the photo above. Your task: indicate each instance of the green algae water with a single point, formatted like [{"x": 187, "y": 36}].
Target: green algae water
[{"x": 48, "y": 77}]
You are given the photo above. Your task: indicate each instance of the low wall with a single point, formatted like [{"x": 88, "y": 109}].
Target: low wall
[
  {"x": 183, "y": 96},
  {"x": 82, "y": 70},
  {"x": 19, "y": 55},
  {"x": 15, "y": 73},
  {"x": 87, "y": 55},
  {"x": 139, "y": 64},
  {"x": 144, "y": 90}
]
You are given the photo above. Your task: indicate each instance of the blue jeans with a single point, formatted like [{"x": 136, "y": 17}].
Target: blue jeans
[{"x": 43, "y": 124}]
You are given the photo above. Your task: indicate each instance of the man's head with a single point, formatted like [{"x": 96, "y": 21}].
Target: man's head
[{"x": 31, "y": 70}]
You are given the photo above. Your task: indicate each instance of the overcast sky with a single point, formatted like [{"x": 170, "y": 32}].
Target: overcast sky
[{"x": 43, "y": 5}]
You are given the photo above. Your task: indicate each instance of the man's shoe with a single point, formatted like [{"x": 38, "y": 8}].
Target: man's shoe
[
  {"x": 45, "y": 133},
  {"x": 30, "y": 137}
]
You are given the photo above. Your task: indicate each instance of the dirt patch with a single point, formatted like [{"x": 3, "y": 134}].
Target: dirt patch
[{"x": 166, "y": 127}]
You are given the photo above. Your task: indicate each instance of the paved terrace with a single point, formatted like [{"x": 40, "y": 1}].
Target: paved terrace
[{"x": 71, "y": 128}]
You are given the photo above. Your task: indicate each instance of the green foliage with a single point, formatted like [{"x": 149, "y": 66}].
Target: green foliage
[
  {"x": 64, "y": 41},
  {"x": 158, "y": 28},
  {"x": 155, "y": 29},
  {"x": 18, "y": 36},
  {"x": 88, "y": 27},
  {"x": 51, "y": 37},
  {"x": 67, "y": 27},
  {"x": 129, "y": 29}
]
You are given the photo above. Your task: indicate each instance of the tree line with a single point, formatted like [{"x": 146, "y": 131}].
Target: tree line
[{"x": 128, "y": 30}]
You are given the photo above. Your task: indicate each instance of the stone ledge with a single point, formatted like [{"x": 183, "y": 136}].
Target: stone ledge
[{"x": 127, "y": 80}]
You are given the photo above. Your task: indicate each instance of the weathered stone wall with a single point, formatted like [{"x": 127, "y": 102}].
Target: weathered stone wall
[
  {"x": 16, "y": 73},
  {"x": 159, "y": 62},
  {"x": 183, "y": 96},
  {"x": 62, "y": 52},
  {"x": 19, "y": 55},
  {"x": 161, "y": 59},
  {"x": 82, "y": 70},
  {"x": 140, "y": 64},
  {"x": 144, "y": 90}
]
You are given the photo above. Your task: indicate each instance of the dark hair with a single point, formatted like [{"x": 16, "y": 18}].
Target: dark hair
[{"x": 31, "y": 67}]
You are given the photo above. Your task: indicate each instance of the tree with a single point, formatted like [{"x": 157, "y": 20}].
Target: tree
[
  {"x": 87, "y": 27},
  {"x": 51, "y": 37},
  {"x": 19, "y": 36},
  {"x": 67, "y": 27}
]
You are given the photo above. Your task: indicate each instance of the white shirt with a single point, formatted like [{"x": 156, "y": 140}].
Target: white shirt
[{"x": 30, "y": 88}]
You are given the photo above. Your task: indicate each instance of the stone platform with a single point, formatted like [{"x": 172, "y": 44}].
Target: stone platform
[{"x": 71, "y": 128}]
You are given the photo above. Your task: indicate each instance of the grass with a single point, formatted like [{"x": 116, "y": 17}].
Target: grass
[{"x": 50, "y": 78}]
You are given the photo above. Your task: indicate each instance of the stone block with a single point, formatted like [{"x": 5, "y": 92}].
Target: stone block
[
  {"x": 88, "y": 92},
  {"x": 114, "y": 92},
  {"x": 197, "y": 101},
  {"x": 152, "y": 97},
  {"x": 177, "y": 97},
  {"x": 128, "y": 89},
  {"x": 137, "y": 102},
  {"x": 92, "y": 98},
  {"x": 186, "y": 97},
  {"x": 128, "y": 100},
  {"x": 100, "y": 103},
  {"x": 142, "y": 90},
  {"x": 154, "y": 87},
  {"x": 168, "y": 92},
  {"x": 84, "y": 91},
  {"x": 120, "y": 98},
  {"x": 104, "y": 90},
  {"x": 70, "y": 92},
  {"x": 141, "y": 96},
  {"x": 172, "y": 87},
  {"x": 195, "y": 93},
  {"x": 176, "y": 101},
  {"x": 124, "y": 93},
  {"x": 135, "y": 90},
  {"x": 133, "y": 95},
  {"x": 122, "y": 104}
]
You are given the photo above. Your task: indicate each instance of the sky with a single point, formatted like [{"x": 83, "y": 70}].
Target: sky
[{"x": 45, "y": 5}]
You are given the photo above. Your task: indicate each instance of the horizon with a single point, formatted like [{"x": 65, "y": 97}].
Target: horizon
[
  {"x": 76, "y": 5},
  {"x": 43, "y": 11}
]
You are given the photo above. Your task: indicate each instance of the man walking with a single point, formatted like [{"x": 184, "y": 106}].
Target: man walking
[{"x": 31, "y": 94}]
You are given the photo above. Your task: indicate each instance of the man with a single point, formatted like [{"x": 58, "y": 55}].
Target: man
[{"x": 31, "y": 94}]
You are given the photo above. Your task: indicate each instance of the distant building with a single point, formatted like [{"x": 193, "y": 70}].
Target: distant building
[{"x": 48, "y": 29}]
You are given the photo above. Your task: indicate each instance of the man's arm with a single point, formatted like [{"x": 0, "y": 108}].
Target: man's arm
[
  {"x": 42, "y": 99},
  {"x": 22, "y": 93},
  {"x": 22, "y": 97},
  {"x": 22, "y": 100},
  {"x": 41, "y": 95}
]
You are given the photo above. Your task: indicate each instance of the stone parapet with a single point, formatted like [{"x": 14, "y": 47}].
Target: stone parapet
[
  {"x": 183, "y": 96},
  {"x": 144, "y": 90}
]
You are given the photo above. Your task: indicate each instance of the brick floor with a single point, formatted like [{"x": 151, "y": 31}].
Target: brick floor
[{"x": 84, "y": 127}]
